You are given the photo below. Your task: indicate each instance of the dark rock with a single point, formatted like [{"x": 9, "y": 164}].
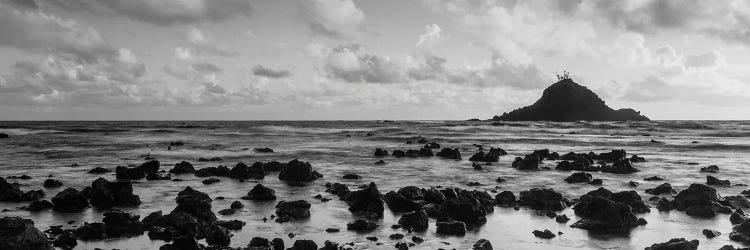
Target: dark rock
[
  {"x": 506, "y": 199},
  {"x": 10, "y": 192},
  {"x": 596, "y": 181},
  {"x": 259, "y": 242},
  {"x": 17, "y": 233},
  {"x": 4, "y": 136},
  {"x": 361, "y": 226},
  {"x": 448, "y": 153},
  {"x": 599, "y": 213},
  {"x": 99, "y": 170},
  {"x": 482, "y": 244},
  {"x": 212, "y": 171},
  {"x": 366, "y": 201},
  {"x": 620, "y": 167},
  {"x": 182, "y": 243},
  {"x": 710, "y": 169},
  {"x": 741, "y": 232},
  {"x": 278, "y": 244},
  {"x": 105, "y": 194},
  {"x": 209, "y": 181},
  {"x": 566, "y": 101},
  {"x": 636, "y": 158},
  {"x": 469, "y": 207},
  {"x": 665, "y": 188},
  {"x": 542, "y": 199},
  {"x": 711, "y": 233},
  {"x": 546, "y": 234},
  {"x": 52, "y": 183},
  {"x": 236, "y": 205},
  {"x": 242, "y": 171},
  {"x": 39, "y": 205},
  {"x": 562, "y": 218},
  {"x": 202, "y": 159},
  {"x": 293, "y": 210},
  {"x": 700, "y": 211},
  {"x": 579, "y": 177},
  {"x": 230, "y": 224},
  {"x": 696, "y": 195},
  {"x": 226, "y": 212},
  {"x": 150, "y": 166},
  {"x": 398, "y": 153},
  {"x": 713, "y": 181},
  {"x": 337, "y": 188},
  {"x": 381, "y": 152},
  {"x": 451, "y": 228},
  {"x": 195, "y": 203},
  {"x": 632, "y": 199},
  {"x": 380, "y": 162},
  {"x": 297, "y": 171},
  {"x": 675, "y": 244},
  {"x": 434, "y": 196},
  {"x": 70, "y": 200},
  {"x": 633, "y": 183},
  {"x": 399, "y": 203},
  {"x": 91, "y": 231},
  {"x": 126, "y": 173},
  {"x": 653, "y": 178},
  {"x": 527, "y": 163},
  {"x": 261, "y": 193},
  {"x": 66, "y": 240},
  {"x": 332, "y": 230},
  {"x": 417, "y": 239},
  {"x": 304, "y": 245},
  {"x": 414, "y": 221},
  {"x": 351, "y": 176},
  {"x": 122, "y": 224},
  {"x": 737, "y": 217},
  {"x": 182, "y": 168},
  {"x": 664, "y": 204},
  {"x": 263, "y": 150}
]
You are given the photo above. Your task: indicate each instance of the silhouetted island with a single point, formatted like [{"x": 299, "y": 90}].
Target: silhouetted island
[{"x": 567, "y": 101}]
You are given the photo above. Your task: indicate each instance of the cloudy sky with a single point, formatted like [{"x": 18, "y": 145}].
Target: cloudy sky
[{"x": 366, "y": 59}]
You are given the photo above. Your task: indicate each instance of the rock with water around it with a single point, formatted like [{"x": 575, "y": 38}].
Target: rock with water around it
[
  {"x": 451, "y": 228},
  {"x": 298, "y": 171},
  {"x": 675, "y": 244},
  {"x": 70, "y": 200},
  {"x": 449, "y": 153},
  {"x": 292, "y": 210},
  {"x": 367, "y": 201},
  {"x": 546, "y": 234},
  {"x": 18, "y": 233},
  {"x": 542, "y": 199},
  {"x": 664, "y": 188},
  {"x": 105, "y": 194},
  {"x": 182, "y": 167},
  {"x": 194, "y": 203},
  {"x": 261, "y": 193},
  {"x": 579, "y": 177},
  {"x": 713, "y": 181},
  {"x": 414, "y": 221}
]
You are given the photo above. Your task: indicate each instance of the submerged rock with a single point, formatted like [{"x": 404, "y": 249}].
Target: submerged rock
[
  {"x": 579, "y": 177},
  {"x": 17, "y": 233},
  {"x": 52, "y": 183},
  {"x": 448, "y": 153},
  {"x": 546, "y": 234},
  {"x": 361, "y": 226},
  {"x": 182, "y": 167},
  {"x": 599, "y": 213},
  {"x": 414, "y": 221},
  {"x": 713, "y": 181},
  {"x": 526, "y": 163},
  {"x": 621, "y": 166},
  {"x": 710, "y": 169},
  {"x": 381, "y": 152}
]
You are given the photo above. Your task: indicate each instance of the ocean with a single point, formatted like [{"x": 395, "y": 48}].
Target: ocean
[{"x": 674, "y": 150}]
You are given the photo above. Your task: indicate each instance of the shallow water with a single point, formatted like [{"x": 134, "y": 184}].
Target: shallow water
[{"x": 40, "y": 149}]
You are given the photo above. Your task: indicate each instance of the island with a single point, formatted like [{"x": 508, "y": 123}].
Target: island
[{"x": 568, "y": 101}]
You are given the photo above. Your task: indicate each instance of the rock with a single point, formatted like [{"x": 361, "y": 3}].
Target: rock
[
  {"x": 236, "y": 205},
  {"x": 351, "y": 176},
  {"x": 505, "y": 199},
  {"x": 216, "y": 235},
  {"x": 195, "y": 203},
  {"x": 158, "y": 177},
  {"x": 230, "y": 224},
  {"x": 202, "y": 159},
  {"x": 338, "y": 189},
  {"x": 39, "y": 205},
  {"x": 226, "y": 212},
  {"x": 451, "y": 228},
  {"x": 713, "y": 181},
  {"x": 675, "y": 244},
  {"x": 448, "y": 153},
  {"x": 332, "y": 230},
  {"x": 632, "y": 199},
  {"x": 126, "y": 173},
  {"x": 182, "y": 168},
  {"x": 242, "y": 171},
  {"x": 99, "y": 170},
  {"x": 122, "y": 224},
  {"x": 414, "y": 221},
  {"x": 66, "y": 240},
  {"x": 52, "y": 183},
  {"x": 527, "y": 163},
  {"x": 293, "y": 210},
  {"x": 694, "y": 196},
  {"x": 600, "y": 214},
  {"x": 297, "y": 171},
  {"x": 633, "y": 183},
  {"x": 596, "y": 181},
  {"x": 620, "y": 167},
  {"x": 482, "y": 244},
  {"x": 381, "y": 152},
  {"x": 653, "y": 178},
  {"x": 710, "y": 169},
  {"x": 209, "y": 181},
  {"x": 259, "y": 243},
  {"x": 398, "y": 153},
  {"x": 366, "y": 201},
  {"x": 400, "y": 203},
  {"x": 278, "y": 244},
  {"x": 562, "y": 218},
  {"x": 700, "y": 211},
  {"x": 434, "y": 196},
  {"x": 17, "y": 233},
  {"x": 4, "y": 136},
  {"x": 260, "y": 193},
  {"x": 546, "y": 234},
  {"x": 665, "y": 188},
  {"x": 566, "y": 101},
  {"x": 469, "y": 207},
  {"x": 636, "y": 158},
  {"x": 380, "y": 162},
  {"x": 10, "y": 192},
  {"x": 579, "y": 177},
  {"x": 711, "y": 233},
  {"x": 106, "y": 194},
  {"x": 263, "y": 150},
  {"x": 542, "y": 199},
  {"x": 182, "y": 243},
  {"x": 741, "y": 232},
  {"x": 361, "y": 226},
  {"x": 212, "y": 171},
  {"x": 70, "y": 200},
  {"x": 417, "y": 239},
  {"x": 304, "y": 245}
]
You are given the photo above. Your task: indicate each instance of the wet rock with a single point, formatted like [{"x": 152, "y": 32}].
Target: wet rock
[
  {"x": 399, "y": 203},
  {"x": 17, "y": 233},
  {"x": 596, "y": 182},
  {"x": 381, "y": 152},
  {"x": 332, "y": 230},
  {"x": 633, "y": 183},
  {"x": 562, "y": 218},
  {"x": 380, "y": 162},
  {"x": 710, "y": 169},
  {"x": 599, "y": 214},
  {"x": 741, "y": 232},
  {"x": 653, "y": 178},
  {"x": 4, "y": 136},
  {"x": 398, "y": 153},
  {"x": 542, "y": 199},
  {"x": 261, "y": 193},
  {"x": 493, "y": 155},
  {"x": 230, "y": 224},
  {"x": 737, "y": 201},
  {"x": 665, "y": 188},
  {"x": 39, "y": 205},
  {"x": 675, "y": 244},
  {"x": 402, "y": 246},
  {"x": 737, "y": 217},
  {"x": 263, "y": 150},
  {"x": 505, "y": 199},
  {"x": 546, "y": 234},
  {"x": 278, "y": 244},
  {"x": 482, "y": 244},
  {"x": 298, "y": 171},
  {"x": 361, "y": 225},
  {"x": 226, "y": 212},
  {"x": 579, "y": 177},
  {"x": 434, "y": 196},
  {"x": 216, "y": 235},
  {"x": 338, "y": 189},
  {"x": 99, "y": 170},
  {"x": 448, "y": 153},
  {"x": 304, "y": 245},
  {"x": 122, "y": 224},
  {"x": 182, "y": 243},
  {"x": 10, "y": 192},
  {"x": 126, "y": 173},
  {"x": 366, "y": 201},
  {"x": 105, "y": 194},
  {"x": 70, "y": 200},
  {"x": 212, "y": 171},
  {"x": 698, "y": 199},
  {"x": 293, "y": 210},
  {"x": 52, "y": 183},
  {"x": 259, "y": 243},
  {"x": 66, "y": 240},
  {"x": 730, "y": 247},
  {"x": 414, "y": 221},
  {"x": 91, "y": 231},
  {"x": 236, "y": 205},
  {"x": 469, "y": 207},
  {"x": 351, "y": 176},
  {"x": 210, "y": 159},
  {"x": 527, "y": 163},
  {"x": 417, "y": 239},
  {"x": 622, "y": 166},
  {"x": 636, "y": 158},
  {"x": 182, "y": 167},
  {"x": 664, "y": 204},
  {"x": 209, "y": 181},
  {"x": 476, "y": 166},
  {"x": 242, "y": 171},
  {"x": 451, "y": 228},
  {"x": 158, "y": 177},
  {"x": 713, "y": 181},
  {"x": 711, "y": 233},
  {"x": 195, "y": 203}
]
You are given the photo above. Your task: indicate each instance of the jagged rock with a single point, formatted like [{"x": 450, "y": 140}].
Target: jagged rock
[
  {"x": 182, "y": 167},
  {"x": 39, "y": 205},
  {"x": 579, "y": 177},
  {"x": 261, "y": 193},
  {"x": 566, "y": 101},
  {"x": 9, "y": 192},
  {"x": 546, "y": 234},
  {"x": 304, "y": 245},
  {"x": 448, "y": 153},
  {"x": 506, "y": 199},
  {"x": 621, "y": 166},
  {"x": 398, "y": 153},
  {"x": 381, "y": 152},
  {"x": 263, "y": 150},
  {"x": 298, "y": 171},
  {"x": 195, "y": 203},
  {"x": 242, "y": 171},
  {"x": 599, "y": 213},
  {"x": 451, "y": 228},
  {"x": 122, "y": 224},
  {"x": 710, "y": 169},
  {"x": 737, "y": 217},
  {"x": 697, "y": 200},
  {"x": 66, "y": 240},
  {"x": 636, "y": 158},
  {"x": 664, "y": 188},
  {"x": 664, "y": 204},
  {"x": 52, "y": 183},
  {"x": 366, "y": 201},
  {"x": 469, "y": 207},
  {"x": 212, "y": 171},
  {"x": 675, "y": 244},
  {"x": 482, "y": 244},
  {"x": 711, "y": 233},
  {"x": 399, "y": 203},
  {"x": 105, "y": 194},
  {"x": 17, "y": 233},
  {"x": 337, "y": 188},
  {"x": 99, "y": 170},
  {"x": 526, "y": 163},
  {"x": 737, "y": 201},
  {"x": 209, "y": 181},
  {"x": 713, "y": 181},
  {"x": 434, "y": 196},
  {"x": 493, "y": 155},
  {"x": 182, "y": 243},
  {"x": 293, "y": 210},
  {"x": 70, "y": 200},
  {"x": 126, "y": 173},
  {"x": 542, "y": 199},
  {"x": 653, "y": 178},
  {"x": 361, "y": 226},
  {"x": 562, "y": 218},
  {"x": 414, "y": 221}
]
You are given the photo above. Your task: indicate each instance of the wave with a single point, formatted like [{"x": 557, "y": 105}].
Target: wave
[
  {"x": 728, "y": 134},
  {"x": 24, "y": 131},
  {"x": 307, "y": 130},
  {"x": 720, "y": 146}
]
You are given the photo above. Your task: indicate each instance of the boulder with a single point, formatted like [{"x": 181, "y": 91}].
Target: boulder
[
  {"x": 263, "y": 150},
  {"x": 212, "y": 171},
  {"x": 351, "y": 176},
  {"x": 361, "y": 226},
  {"x": 482, "y": 244},
  {"x": 127, "y": 173},
  {"x": 52, "y": 183},
  {"x": 710, "y": 233},
  {"x": 741, "y": 232},
  {"x": 451, "y": 228},
  {"x": 338, "y": 189},
  {"x": 621, "y": 166},
  {"x": 105, "y": 194},
  {"x": 261, "y": 193},
  {"x": 675, "y": 244},
  {"x": 505, "y": 199},
  {"x": 66, "y": 240},
  {"x": 470, "y": 207},
  {"x": 194, "y": 203},
  {"x": 39, "y": 205},
  {"x": 737, "y": 217},
  {"x": 602, "y": 214},
  {"x": 10, "y": 192},
  {"x": 414, "y": 221},
  {"x": 698, "y": 199},
  {"x": 398, "y": 153},
  {"x": 546, "y": 234},
  {"x": 209, "y": 181},
  {"x": 400, "y": 203},
  {"x": 298, "y": 171},
  {"x": 492, "y": 156},
  {"x": 70, "y": 200},
  {"x": 99, "y": 170},
  {"x": 448, "y": 153},
  {"x": 242, "y": 171},
  {"x": 303, "y": 245},
  {"x": 17, "y": 233},
  {"x": 526, "y": 163},
  {"x": 664, "y": 188},
  {"x": 710, "y": 169},
  {"x": 182, "y": 167},
  {"x": 713, "y": 181},
  {"x": 542, "y": 199},
  {"x": 381, "y": 152},
  {"x": 293, "y": 210},
  {"x": 366, "y": 201},
  {"x": 579, "y": 177},
  {"x": 182, "y": 243},
  {"x": 122, "y": 224}
]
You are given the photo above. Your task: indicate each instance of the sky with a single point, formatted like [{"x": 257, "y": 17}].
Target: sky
[{"x": 366, "y": 59}]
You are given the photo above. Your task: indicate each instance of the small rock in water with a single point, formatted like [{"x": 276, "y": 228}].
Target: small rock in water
[
  {"x": 546, "y": 234},
  {"x": 710, "y": 233},
  {"x": 710, "y": 169},
  {"x": 482, "y": 244},
  {"x": 210, "y": 181},
  {"x": 351, "y": 176},
  {"x": 52, "y": 183},
  {"x": 675, "y": 244},
  {"x": 653, "y": 178}
]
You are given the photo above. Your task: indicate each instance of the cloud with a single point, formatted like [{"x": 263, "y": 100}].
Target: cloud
[
  {"x": 162, "y": 12},
  {"x": 431, "y": 36},
  {"x": 260, "y": 70},
  {"x": 351, "y": 63},
  {"x": 334, "y": 18},
  {"x": 202, "y": 44}
]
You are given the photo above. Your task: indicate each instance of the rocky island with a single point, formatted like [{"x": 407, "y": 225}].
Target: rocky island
[{"x": 567, "y": 101}]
